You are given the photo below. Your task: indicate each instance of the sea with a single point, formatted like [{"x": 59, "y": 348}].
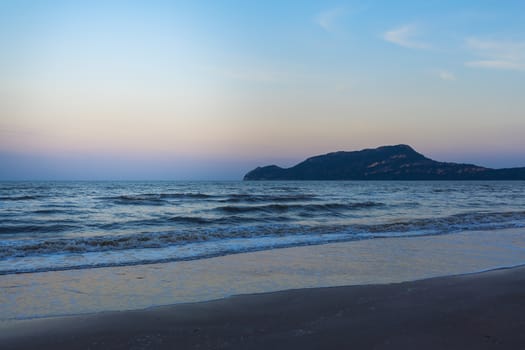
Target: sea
[{"x": 48, "y": 226}]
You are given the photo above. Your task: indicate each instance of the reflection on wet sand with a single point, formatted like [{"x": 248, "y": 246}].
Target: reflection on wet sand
[{"x": 362, "y": 262}]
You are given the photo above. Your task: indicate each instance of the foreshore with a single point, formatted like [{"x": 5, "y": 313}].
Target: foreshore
[
  {"x": 379, "y": 293},
  {"x": 475, "y": 311}
]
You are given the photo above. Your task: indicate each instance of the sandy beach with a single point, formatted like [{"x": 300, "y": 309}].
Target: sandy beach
[
  {"x": 477, "y": 311},
  {"x": 371, "y": 294},
  {"x": 262, "y": 175}
]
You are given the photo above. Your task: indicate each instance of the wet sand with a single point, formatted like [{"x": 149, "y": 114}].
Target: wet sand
[
  {"x": 476, "y": 311},
  {"x": 333, "y": 296},
  {"x": 375, "y": 261}
]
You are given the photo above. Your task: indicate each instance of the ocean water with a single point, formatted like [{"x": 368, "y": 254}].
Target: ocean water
[{"x": 47, "y": 226}]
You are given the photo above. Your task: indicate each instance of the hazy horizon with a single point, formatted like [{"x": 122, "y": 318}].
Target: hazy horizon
[{"x": 133, "y": 90}]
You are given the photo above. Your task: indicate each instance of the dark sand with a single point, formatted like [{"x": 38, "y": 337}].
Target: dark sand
[{"x": 478, "y": 311}]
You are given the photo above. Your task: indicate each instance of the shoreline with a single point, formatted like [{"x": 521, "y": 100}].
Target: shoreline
[
  {"x": 382, "y": 261},
  {"x": 475, "y": 310}
]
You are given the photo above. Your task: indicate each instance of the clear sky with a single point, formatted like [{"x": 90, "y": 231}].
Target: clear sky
[{"x": 210, "y": 89}]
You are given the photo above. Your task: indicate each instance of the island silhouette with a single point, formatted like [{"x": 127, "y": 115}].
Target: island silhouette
[{"x": 397, "y": 162}]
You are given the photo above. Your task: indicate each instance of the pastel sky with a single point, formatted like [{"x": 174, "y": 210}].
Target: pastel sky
[{"x": 211, "y": 89}]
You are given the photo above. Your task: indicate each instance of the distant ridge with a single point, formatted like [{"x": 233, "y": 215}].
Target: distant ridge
[{"x": 399, "y": 162}]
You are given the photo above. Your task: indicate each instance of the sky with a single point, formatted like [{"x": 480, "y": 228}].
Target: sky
[{"x": 207, "y": 90}]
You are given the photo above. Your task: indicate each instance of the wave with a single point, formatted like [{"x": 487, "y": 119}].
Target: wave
[
  {"x": 272, "y": 208},
  {"x": 51, "y": 211},
  {"x": 427, "y": 226},
  {"x": 19, "y": 198},
  {"x": 186, "y": 195},
  {"x": 228, "y": 220},
  {"x": 453, "y": 223},
  {"x": 114, "y": 242},
  {"x": 286, "y": 188},
  {"x": 145, "y": 199},
  {"x": 188, "y": 221},
  {"x": 153, "y": 198},
  {"x": 60, "y": 210},
  {"x": 220, "y": 220},
  {"x": 47, "y": 228},
  {"x": 250, "y": 198}
]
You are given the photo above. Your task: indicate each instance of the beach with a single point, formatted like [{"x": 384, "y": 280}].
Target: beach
[
  {"x": 262, "y": 175},
  {"x": 380, "y": 293},
  {"x": 477, "y": 311}
]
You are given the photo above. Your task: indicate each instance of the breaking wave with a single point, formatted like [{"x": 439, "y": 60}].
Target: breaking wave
[
  {"x": 45, "y": 226},
  {"x": 308, "y": 234}
]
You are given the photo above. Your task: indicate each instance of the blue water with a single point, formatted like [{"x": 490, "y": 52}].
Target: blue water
[{"x": 67, "y": 225}]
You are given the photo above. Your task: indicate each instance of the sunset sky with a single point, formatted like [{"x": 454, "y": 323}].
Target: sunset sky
[{"x": 211, "y": 89}]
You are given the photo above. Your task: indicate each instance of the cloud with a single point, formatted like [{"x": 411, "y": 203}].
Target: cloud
[
  {"x": 497, "y": 54},
  {"x": 326, "y": 19},
  {"x": 446, "y": 75},
  {"x": 404, "y": 36},
  {"x": 494, "y": 64}
]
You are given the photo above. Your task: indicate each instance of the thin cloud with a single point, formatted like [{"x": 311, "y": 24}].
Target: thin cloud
[
  {"x": 446, "y": 75},
  {"x": 327, "y": 19},
  {"x": 497, "y": 54},
  {"x": 493, "y": 64},
  {"x": 405, "y": 36}
]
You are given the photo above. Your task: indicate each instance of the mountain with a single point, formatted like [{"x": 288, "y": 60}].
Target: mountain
[{"x": 399, "y": 162}]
